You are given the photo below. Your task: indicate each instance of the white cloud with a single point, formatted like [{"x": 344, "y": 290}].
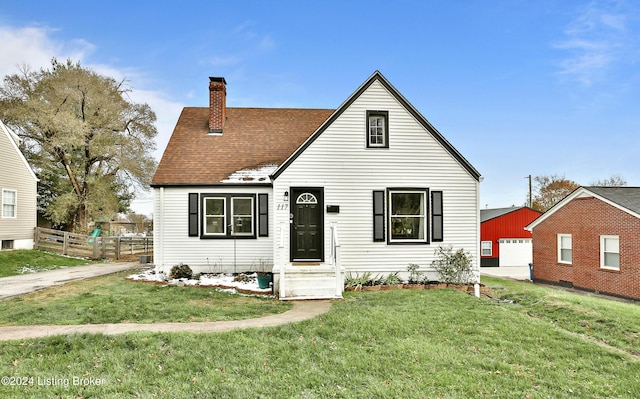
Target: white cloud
[
  {"x": 596, "y": 41},
  {"x": 34, "y": 46}
]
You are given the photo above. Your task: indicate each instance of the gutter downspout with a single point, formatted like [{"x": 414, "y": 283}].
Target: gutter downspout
[{"x": 476, "y": 285}]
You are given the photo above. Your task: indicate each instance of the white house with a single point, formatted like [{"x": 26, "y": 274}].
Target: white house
[
  {"x": 19, "y": 187},
  {"x": 369, "y": 187}
]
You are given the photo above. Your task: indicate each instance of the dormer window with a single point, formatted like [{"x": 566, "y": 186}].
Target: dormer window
[{"x": 377, "y": 129}]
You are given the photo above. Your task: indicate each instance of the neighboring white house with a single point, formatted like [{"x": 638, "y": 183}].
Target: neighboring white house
[
  {"x": 18, "y": 195},
  {"x": 369, "y": 187}
]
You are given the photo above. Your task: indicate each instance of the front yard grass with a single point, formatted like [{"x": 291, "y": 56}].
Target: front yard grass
[
  {"x": 23, "y": 261},
  {"x": 384, "y": 344},
  {"x": 112, "y": 299}
]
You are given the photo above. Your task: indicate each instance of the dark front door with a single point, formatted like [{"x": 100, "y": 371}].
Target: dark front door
[{"x": 307, "y": 224}]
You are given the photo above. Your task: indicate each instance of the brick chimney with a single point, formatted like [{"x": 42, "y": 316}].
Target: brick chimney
[{"x": 217, "y": 104}]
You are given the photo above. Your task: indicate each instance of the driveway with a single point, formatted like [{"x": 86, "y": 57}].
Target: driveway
[
  {"x": 22, "y": 284},
  {"x": 512, "y": 272}
]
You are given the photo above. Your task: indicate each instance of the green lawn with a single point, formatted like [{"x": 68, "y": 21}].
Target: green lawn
[
  {"x": 384, "y": 344},
  {"x": 112, "y": 299},
  {"x": 24, "y": 261}
]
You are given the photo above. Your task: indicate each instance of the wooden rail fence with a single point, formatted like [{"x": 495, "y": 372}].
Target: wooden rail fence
[{"x": 81, "y": 245}]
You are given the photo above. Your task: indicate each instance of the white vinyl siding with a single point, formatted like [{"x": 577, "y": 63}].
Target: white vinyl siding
[
  {"x": 610, "y": 252},
  {"x": 565, "y": 250},
  {"x": 349, "y": 173},
  {"x": 22, "y": 182},
  {"x": 173, "y": 245}
]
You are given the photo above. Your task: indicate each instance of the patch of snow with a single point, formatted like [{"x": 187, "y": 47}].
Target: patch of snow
[
  {"x": 248, "y": 283},
  {"x": 260, "y": 175}
]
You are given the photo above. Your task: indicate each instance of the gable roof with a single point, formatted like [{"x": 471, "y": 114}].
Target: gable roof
[
  {"x": 258, "y": 141},
  {"x": 626, "y": 199},
  {"x": 377, "y": 76},
  {"x": 11, "y": 137},
  {"x": 252, "y": 139},
  {"x": 488, "y": 214}
]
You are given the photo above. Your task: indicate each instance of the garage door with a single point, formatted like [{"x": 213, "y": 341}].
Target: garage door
[{"x": 516, "y": 252}]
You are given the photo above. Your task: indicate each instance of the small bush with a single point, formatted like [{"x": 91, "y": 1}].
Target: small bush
[
  {"x": 181, "y": 271},
  {"x": 391, "y": 279},
  {"x": 415, "y": 276},
  {"x": 453, "y": 267}
]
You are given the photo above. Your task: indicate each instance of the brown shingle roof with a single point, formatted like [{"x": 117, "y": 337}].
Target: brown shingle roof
[{"x": 252, "y": 137}]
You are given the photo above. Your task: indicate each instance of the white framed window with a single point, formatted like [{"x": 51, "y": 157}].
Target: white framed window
[
  {"x": 610, "y": 252},
  {"x": 214, "y": 216},
  {"x": 9, "y": 204},
  {"x": 407, "y": 216},
  {"x": 564, "y": 248},
  {"x": 228, "y": 215},
  {"x": 486, "y": 248},
  {"x": 242, "y": 216},
  {"x": 377, "y": 129}
]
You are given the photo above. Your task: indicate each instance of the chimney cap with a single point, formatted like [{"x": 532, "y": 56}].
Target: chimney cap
[{"x": 217, "y": 79}]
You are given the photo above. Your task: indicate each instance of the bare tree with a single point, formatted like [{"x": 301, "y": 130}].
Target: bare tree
[
  {"x": 88, "y": 143},
  {"x": 613, "y": 181}
]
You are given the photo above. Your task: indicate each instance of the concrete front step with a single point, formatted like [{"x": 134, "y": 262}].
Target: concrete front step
[{"x": 309, "y": 283}]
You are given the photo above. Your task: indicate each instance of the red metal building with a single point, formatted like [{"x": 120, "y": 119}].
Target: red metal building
[{"x": 504, "y": 240}]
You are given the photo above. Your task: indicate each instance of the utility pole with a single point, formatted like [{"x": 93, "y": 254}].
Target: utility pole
[{"x": 530, "y": 192}]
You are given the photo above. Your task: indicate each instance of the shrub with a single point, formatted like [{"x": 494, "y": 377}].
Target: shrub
[
  {"x": 181, "y": 271},
  {"x": 392, "y": 279},
  {"x": 415, "y": 276},
  {"x": 453, "y": 267}
]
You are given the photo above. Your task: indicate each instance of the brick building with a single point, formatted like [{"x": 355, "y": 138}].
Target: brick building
[{"x": 589, "y": 240}]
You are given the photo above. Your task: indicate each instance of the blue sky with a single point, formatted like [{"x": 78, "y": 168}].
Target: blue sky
[{"x": 518, "y": 87}]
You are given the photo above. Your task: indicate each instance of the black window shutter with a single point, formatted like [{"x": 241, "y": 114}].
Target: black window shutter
[
  {"x": 436, "y": 216},
  {"x": 378, "y": 216},
  {"x": 263, "y": 215},
  {"x": 193, "y": 214}
]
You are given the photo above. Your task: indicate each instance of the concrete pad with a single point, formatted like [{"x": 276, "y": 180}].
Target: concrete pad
[{"x": 512, "y": 272}]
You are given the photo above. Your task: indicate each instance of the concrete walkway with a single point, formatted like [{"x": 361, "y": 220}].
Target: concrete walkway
[
  {"x": 24, "y": 283},
  {"x": 18, "y": 285},
  {"x": 302, "y": 310}
]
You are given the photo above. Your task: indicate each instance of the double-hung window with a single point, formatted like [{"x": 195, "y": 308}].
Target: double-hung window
[
  {"x": 228, "y": 215},
  {"x": 610, "y": 252},
  {"x": 9, "y": 204},
  {"x": 408, "y": 216},
  {"x": 486, "y": 248},
  {"x": 403, "y": 216},
  {"x": 214, "y": 216},
  {"x": 564, "y": 248},
  {"x": 377, "y": 129}
]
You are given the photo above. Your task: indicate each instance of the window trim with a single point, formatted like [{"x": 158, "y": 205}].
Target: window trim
[
  {"x": 14, "y": 204},
  {"x": 560, "y": 248},
  {"x": 603, "y": 238},
  {"x": 385, "y": 115},
  {"x": 424, "y": 214},
  {"x": 228, "y": 215},
  {"x": 490, "y": 248}
]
